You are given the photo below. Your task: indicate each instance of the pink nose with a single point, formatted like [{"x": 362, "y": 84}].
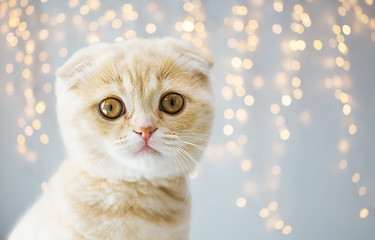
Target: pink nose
[{"x": 145, "y": 132}]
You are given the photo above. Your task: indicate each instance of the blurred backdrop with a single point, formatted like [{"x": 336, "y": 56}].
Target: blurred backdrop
[{"x": 292, "y": 152}]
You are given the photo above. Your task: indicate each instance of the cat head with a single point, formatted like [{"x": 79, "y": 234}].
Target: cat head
[{"x": 141, "y": 108}]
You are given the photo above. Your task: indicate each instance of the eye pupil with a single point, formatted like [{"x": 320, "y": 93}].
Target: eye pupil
[
  {"x": 172, "y": 102},
  {"x": 110, "y": 107}
]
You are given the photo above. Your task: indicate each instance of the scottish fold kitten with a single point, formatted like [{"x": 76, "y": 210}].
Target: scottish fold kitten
[{"x": 135, "y": 117}]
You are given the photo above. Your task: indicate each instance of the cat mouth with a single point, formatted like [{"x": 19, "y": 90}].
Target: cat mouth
[{"x": 148, "y": 150}]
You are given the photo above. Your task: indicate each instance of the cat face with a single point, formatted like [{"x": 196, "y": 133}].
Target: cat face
[{"x": 139, "y": 108}]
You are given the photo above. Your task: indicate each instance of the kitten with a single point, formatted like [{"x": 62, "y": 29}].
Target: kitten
[{"x": 135, "y": 117}]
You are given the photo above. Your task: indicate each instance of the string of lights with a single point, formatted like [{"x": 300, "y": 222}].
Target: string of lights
[{"x": 40, "y": 35}]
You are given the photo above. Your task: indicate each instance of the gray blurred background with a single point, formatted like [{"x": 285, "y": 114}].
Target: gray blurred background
[{"x": 292, "y": 152}]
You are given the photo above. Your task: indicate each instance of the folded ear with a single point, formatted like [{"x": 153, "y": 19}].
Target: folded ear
[
  {"x": 68, "y": 74},
  {"x": 198, "y": 60}
]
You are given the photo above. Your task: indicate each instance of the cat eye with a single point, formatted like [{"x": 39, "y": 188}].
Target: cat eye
[
  {"x": 172, "y": 103},
  {"x": 111, "y": 108}
]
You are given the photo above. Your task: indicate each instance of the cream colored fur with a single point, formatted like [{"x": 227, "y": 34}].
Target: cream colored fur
[{"x": 106, "y": 189}]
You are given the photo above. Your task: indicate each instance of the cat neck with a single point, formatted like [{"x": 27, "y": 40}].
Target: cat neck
[{"x": 78, "y": 169}]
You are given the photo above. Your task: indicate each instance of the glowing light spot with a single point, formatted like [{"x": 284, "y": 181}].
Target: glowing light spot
[
  {"x": 346, "y": 66},
  {"x": 272, "y": 206},
  {"x": 341, "y": 11},
  {"x": 242, "y": 139},
  {"x": 30, "y": 46},
  {"x": 130, "y": 34},
  {"x": 46, "y": 68},
  {"x": 296, "y": 82},
  {"x": 363, "y": 213},
  {"x": 297, "y": 93},
  {"x": 356, "y": 177},
  {"x": 298, "y": 9},
  {"x": 193, "y": 174},
  {"x": 228, "y": 129},
  {"x": 275, "y": 108},
  {"x": 277, "y": 29},
  {"x": 231, "y": 146},
  {"x": 40, "y": 107},
  {"x": 93, "y": 4},
  {"x": 279, "y": 225},
  {"x": 343, "y": 146},
  {"x": 63, "y": 52},
  {"x": 343, "y": 164},
  {"x": 264, "y": 212},
  {"x": 227, "y": 93},
  {"x": 84, "y": 10},
  {"x": 21, "y": 122},
  {"x": 346, "y": 109},
  {"x": 253, "y": 24},
  {"x": 286, "y": 100},
  {"x": 241, "y": 202},
  {"x": 247, "y": 63},
  {"x": 369, "y": 2},
  {"x": 278, "y": 6},
  {"x": 297, "y": 28},
  {"x": 44, "y": 138},
  {"x": 28, "y": 131},
  {"x": 199, "y": 27},
  {"x": 249, "y": 100},
  {"x": 238, "y": 26},
  {"x": 128, "y": 8},
  {"x": 287, "y": 230},
  {"x": 9, "y": 68},
  {"x": 239, "y": 10},
  {"x": 232, "y": 43},
  {"x": 276, "y": 170},
  {"x": 77, "y": 19},
  {"x": 150, "y": 28},
  {"x": 339, "y": 61},
  {"x": 293, "y": 45},
  {"x": 188, "y": 7},
  {"x": 336, "y": 29},
  {"x": 344, "y": 98},
  {"x": 284, "y": 134},
  {"x": 116, "y": 23},
  {"x": 43, "y": 34},
  {"x": 362, "y": 191},
  {"x": 342, "y": 48},
  {"x": 258, "y": 82},
  {"x": 31, "y": 156},
  {"x": 28, "y": 59},
  {"x": 318, "y": 45},
  {"x": 236, "y": 62},
  {"x": 296, "y": 65},
  {"x": 305, "y": 117},
  {"x": 241, "y": 115},
  {"x": 14, "y": 22},
  {"x": 30, "y": 10},
  {"x": 28, "y": 93},
  {"x": 346, "y": 29},
  {"x": 47, "y": 87},
  {"x": 21, "y": 149},
  {"x": 37, "y": 124},
  {"x": 229, "y": 114},
  {"x": 9, "y": 88},
  {"x": 188, "y": 26},
  {"x": 21, "y": 139},
  {"x": 352, "y": 129},
  {"x": 240, "y": 91},
  {"x": 280, "y": 121},
  {"x": 246, "y": 165}
]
